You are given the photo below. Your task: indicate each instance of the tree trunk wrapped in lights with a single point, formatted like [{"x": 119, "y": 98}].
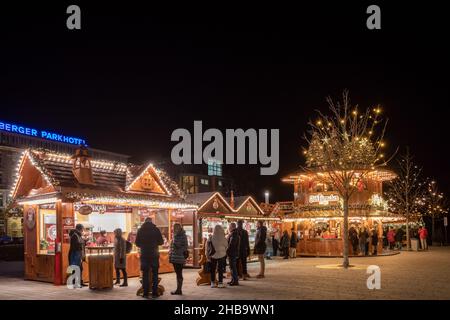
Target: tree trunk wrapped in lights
[
  {"x": 406, "y": 194},
  {"x": 343, "y": 148}
]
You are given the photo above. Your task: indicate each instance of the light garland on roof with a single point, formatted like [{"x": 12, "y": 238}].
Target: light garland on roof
[
  {"x": 98, "y": 164},
  {"x": 157, "y": 172},
  {"x": 17, "y": 173},
  {"x": 37, "y": 165}
]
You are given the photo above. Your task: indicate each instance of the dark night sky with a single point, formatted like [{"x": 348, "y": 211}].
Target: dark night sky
[{"x": 132, "y": 75}]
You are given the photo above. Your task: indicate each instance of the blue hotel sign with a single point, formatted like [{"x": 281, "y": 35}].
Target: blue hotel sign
[{"x": 19, "y": 129}]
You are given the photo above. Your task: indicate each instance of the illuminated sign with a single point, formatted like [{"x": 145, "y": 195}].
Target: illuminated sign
[
  {"x": 323, "y": 199},
  {"x": 19, "y": 129}
]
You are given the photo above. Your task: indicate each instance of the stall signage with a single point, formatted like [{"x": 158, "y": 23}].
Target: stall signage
[
  {"x": 85, "y": 210},
  {"x": 68, "y": 223},
  {"x": 37, "y": 133},
  {"x": 30, "y": 218},
  {"x": 323, "y": 199},
  {"x": 120, "y": 209}
]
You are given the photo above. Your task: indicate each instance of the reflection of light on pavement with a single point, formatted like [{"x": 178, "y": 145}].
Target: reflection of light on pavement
[{"x": 339, "y": 266}]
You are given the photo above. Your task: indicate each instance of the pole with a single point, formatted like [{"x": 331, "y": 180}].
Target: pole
[
  {"x": 266, "y": 194},
  {"x": 445, "y": 226}
]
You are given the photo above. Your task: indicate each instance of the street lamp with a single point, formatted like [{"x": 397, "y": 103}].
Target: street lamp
[{"x": 266, "y": 195}]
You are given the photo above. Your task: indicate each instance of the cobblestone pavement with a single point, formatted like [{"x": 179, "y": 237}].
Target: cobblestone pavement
[{"x": 408, "y": 275}]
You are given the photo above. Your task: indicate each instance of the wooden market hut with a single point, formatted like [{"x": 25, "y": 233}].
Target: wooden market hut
[
  {"x": 58, "y": 191},
  {"x": 214, "y": 209},
  {"x": 316, "y": 213}
]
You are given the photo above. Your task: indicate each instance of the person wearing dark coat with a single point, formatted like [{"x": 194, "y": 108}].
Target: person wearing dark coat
[
  {"x": 120, "y": 257},
  {"x": 275, "y": 243},
  {"x": 178, "y": 253},
  {"x": 353, "y": 236},
  {"x": 284, "y": 243},
  {"x": 148, "y": 239},
  {"x": 363, "y": 235},
  {"x": 244, "y": 249},
  {"x": 293, "y": 244},
  {"x": 260, "y": 246},
  {"x": 374, "y": 242},
  {"x": 233, "y": 253},
  {"x": 76, "y": 250},
  {"x": 385, "y": 239},
  {"x": 399, "y": 238}
]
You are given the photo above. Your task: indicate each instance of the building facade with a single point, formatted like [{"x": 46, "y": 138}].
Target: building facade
[{"x": 14, "y": 139}]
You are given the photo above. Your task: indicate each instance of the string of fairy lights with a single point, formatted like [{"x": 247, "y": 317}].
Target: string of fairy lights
[{"x": 39, "y": 158}]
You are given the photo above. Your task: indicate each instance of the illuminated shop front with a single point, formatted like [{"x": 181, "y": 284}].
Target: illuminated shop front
[
  {"x": 316, "y": 213},
  {"x": 58, "y": 191},
  {"x": 214, "y": 209}
]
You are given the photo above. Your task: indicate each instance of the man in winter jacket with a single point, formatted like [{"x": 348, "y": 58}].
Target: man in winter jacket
[
  {"x": 374, "y": 239},
  {"x": 244, "y": 249},
  {"x": 399, "y": 238},
  {"x": 148, "y": 239},
  {"x": 76, "y": 250},
  {"x": 285, "y": 244},
  {"x": 260, "y": 246},
  {"x": 293, "y": 244},
  {"x": 233, "y": 253}
]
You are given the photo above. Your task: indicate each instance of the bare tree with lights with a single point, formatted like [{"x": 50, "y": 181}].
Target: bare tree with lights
[
  {"x": 344, "y": 146},
  {"x": 406, "y": 193},
  {"x": 436, "y": 206}
]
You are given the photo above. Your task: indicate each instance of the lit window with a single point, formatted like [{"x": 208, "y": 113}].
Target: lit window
[
  {"x": 47, "y": 232},
  {"x": 204, "y": 181},
  {"x": 214, "y": 168},
  {"x": 220, "y": 183}
]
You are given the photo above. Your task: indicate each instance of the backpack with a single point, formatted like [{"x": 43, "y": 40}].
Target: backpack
[
  {"x": 128, "y": 246},
  {"x": 210, "y": 248}
]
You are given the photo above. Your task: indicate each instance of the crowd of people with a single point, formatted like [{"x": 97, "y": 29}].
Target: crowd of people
[
  {"x": 220, "y": 248},
  {"x": 361, "y": 239},
  {"x": 236, "y": 248},
  {"x": 393, "y": 239}
]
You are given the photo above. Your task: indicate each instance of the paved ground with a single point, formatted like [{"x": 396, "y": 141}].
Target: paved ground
[{"x": 409, "y": 275}]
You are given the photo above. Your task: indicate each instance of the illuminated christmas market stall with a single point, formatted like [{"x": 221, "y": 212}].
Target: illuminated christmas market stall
[
  {"x": 58, "y": 191},
  {"x": 215, "y": 209},
  {"x": 316, "y": 213}
]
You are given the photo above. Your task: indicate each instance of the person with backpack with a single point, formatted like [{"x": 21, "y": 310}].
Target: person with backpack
[
  {"x": 178, "y": 254},
  {"x": 216, "y": 254},
  {"x": 120, "y": 257}
]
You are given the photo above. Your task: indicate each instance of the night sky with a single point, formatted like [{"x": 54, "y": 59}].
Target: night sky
[{"x": 133, "y": 74}]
